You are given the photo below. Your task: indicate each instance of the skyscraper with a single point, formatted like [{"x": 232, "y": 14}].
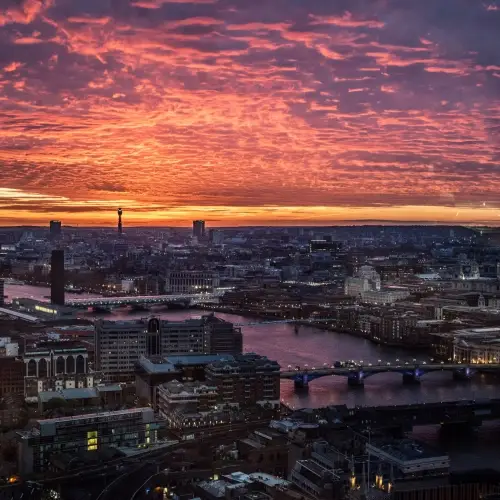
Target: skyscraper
[
  {"x": 120, "y": 226},
  {"x": 57, "y": 277},
  {"x": 199, "y": 229},
  {"x": 55, "y": 229}
]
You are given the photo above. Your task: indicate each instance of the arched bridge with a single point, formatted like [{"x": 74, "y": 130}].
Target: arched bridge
[{"x": 356, "y": 374}]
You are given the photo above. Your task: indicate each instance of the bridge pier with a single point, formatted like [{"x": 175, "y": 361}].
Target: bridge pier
[
  {"x": 412, "y": 377},
  {"x": 463, "y": 374},
  {"x": 356, "y": 379},
  {"x": 301, "y": 383}
]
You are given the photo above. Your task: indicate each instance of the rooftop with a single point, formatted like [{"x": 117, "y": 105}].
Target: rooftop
[{"x": 406, "y": 450}]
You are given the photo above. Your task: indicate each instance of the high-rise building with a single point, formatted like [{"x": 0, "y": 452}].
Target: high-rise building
[
  {"x": 55, "y": 229},
  {"x": 216, "y": 237},
  {"x": 120, "y": 226},
  {"x": 120, "y": 344},
  {"x": 2, "y": 292},
  {"x": 57, "y": 277},
  {"x": 199, "y": 229}
]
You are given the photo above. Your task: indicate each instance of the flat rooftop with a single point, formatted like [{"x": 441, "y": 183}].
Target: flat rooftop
[
  {"x": 171, "y": 364},
  {"x": 406, "y": 450}
]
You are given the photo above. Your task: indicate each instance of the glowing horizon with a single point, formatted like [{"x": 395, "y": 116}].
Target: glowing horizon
[{"x": 249, "y": 113}]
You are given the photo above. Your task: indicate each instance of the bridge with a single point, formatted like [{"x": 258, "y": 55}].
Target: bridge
[
  {"x": 356, "y": 374},
  {"x": 304, "y": 321},
  {"x": 137, "y": 300}
]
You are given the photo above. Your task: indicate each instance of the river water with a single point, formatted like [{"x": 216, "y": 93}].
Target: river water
[{"x": 314, "y": 347}]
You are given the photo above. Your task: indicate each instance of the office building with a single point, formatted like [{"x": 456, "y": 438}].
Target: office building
[
  {"x": 199, "y": 229},
  {"x": 55, "y": 229},
  {"x": 2, "y": 292},
  {"x": 215, "y": 237},
  {"x": 11, "y": 376},
  {"x": 154, "y": 371},
  {"x": 248, "y": 380},
  {"x": 84, "y": 433},
  {"x": 57, "y": 277},
  {"x": 120, "y": 344},
  {"x": 191, "y": 282}
]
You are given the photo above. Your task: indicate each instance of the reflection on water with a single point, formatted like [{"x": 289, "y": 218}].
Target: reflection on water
[{"x": 314, "y": 347}]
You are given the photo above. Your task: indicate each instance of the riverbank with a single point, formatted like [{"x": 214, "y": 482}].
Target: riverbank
[{"x": 319, "y": 325}]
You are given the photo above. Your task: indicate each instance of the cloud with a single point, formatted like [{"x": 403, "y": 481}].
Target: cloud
[{"x": 249, "y": 110}]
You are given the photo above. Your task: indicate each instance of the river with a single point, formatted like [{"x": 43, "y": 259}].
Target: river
[{"x": 314, "y": 347}]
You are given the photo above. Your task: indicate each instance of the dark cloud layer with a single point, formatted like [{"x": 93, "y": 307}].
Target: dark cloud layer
[{"x": 251, "y": 105}]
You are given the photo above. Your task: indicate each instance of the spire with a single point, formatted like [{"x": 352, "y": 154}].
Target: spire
[{"x": 120, "y": 227}]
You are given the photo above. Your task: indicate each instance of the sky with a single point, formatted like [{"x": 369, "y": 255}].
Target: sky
[{"x": 249, "y": 111}]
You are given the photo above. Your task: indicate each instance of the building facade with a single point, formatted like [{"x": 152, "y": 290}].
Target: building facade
[
  {"x": 189, "y": 282},
  {"x": 249, "y": 380},
  {"x": 84, "y": 433},
  {"x": 11, "y": 376},
  {"x": 199, "y": 229},
  {"x": 119, "y": 345}
]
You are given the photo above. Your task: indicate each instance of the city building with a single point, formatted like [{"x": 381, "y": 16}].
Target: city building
[
  {"x": 53, "y": 366},
  {"x": 84, "y": 433},
  {"x": 2, "y": 292},
  {"x": 8, "y": 348},
  {"x": 119, "y": 345},
  {"x": 44, "y": 311},
  {"x": 403, "y": 462},
  {"x": 364, "y": 280},
  {"x": 384, "y": 296},
  {"x": 12, "y": 370},
  {"x": 216, "y": 237},
  {"x": 57, "y": 282},
  {"x": 189, "y": 282},
  {"x": 475, "y": 345},
  {"x": 188, "y": 404},
  {"x": 55, "y": 229},
  {"x": 154, "y": 371},
  {"x": 199, "y": 229},
  {"x": 248, "y": 380},
  {"x": 316, "y": 480}
]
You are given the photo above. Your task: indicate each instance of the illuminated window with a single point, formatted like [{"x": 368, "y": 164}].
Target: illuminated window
[{"x": 92, "y": 440}]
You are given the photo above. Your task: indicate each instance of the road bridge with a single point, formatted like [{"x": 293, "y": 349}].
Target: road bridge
[
  {"x": 138, "y": 300},
  {"x": 411, "y": 372}
]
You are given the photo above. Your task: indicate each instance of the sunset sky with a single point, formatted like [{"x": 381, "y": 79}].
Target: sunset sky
[{"x": 249, "y": 111}]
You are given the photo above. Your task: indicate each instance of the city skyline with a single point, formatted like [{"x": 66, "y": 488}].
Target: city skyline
[{"x": 238, "y": 113}]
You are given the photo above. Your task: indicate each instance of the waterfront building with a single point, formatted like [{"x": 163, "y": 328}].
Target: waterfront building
[
  {"x": 248, "y": 380},
  {"x": 476, "y": 345},
  {"x": 57, "y": 277},
  {"x": 119, "y": 345},
  {"x": 2, "y": 292},
  {"x": 154, "y": 371},
  {"x": 43, "y": 310},
  {"x": 84, "y": 433},
  {"x": 189, "y": 282},
  {"x": 364, "y": 280}
]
